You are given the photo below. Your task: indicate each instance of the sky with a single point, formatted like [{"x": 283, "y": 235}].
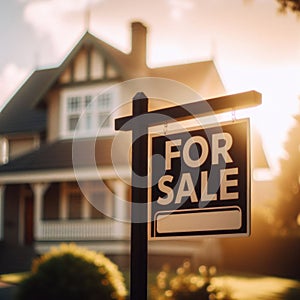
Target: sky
[{"x": 253, "y": 46}]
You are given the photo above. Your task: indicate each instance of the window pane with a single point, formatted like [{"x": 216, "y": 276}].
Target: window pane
[
  {"x": 74, "y": 206},
  {"x": 74, "y": 104},
  {"x": 95, "y": 114},
  {"x": 98, "y": 205},
  {"x": 51, "y": 209},
  {"x": 88, "y": 121},
  {"x": 96, "y": 214},
  {"x": 104, "y": 102},
  {"x": 73, "y": 120},
  {"x": 51, "y": 203},
  {"x": 88, "y": 102},
  {"x": 104, "y": 120}
]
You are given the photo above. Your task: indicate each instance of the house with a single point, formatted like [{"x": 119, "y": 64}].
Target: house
[{"x": 43, "y": 199}]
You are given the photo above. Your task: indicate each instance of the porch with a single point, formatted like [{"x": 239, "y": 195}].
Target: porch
[{"x": 64, "y": 212}]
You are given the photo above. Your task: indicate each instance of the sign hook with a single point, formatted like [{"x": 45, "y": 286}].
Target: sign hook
[{"x": 165, "y": 128}]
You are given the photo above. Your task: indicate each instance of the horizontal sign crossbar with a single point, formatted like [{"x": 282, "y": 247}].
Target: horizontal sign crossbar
[{"x": 190, "y": 110}]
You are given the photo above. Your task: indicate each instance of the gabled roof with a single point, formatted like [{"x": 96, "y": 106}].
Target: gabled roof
[
  {"x": 200, "y": 76},
  {"x": 119, "y": 59},
  {"x": 19, "y": 115},
  {"x": 24, "y": 113}
]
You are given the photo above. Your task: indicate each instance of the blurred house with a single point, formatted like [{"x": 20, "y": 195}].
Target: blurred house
[{"x": 42, "y": 203}]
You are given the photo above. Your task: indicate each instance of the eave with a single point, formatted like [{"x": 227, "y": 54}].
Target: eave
[{"x": 65, "y": 175}]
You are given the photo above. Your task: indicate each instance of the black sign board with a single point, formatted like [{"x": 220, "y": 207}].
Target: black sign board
[{"x": 200, "y": 182}]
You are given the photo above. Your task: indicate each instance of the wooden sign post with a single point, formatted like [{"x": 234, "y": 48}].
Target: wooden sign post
[
  {"x": 139, "y": 242},
  {"x": 139, "y": 123}
]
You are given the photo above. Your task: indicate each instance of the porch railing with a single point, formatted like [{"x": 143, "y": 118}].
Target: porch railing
[{"x": 82, "y": 230}]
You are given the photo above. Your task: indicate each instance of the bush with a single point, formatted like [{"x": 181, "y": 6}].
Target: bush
[
  {"x": 72, "y": 273},
  {"x": 186, "y": 285}
]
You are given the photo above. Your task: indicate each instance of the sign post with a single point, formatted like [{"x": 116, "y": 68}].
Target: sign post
[
  {"x": 139, "y": 241},
  {"x": 225, "y": 180}
]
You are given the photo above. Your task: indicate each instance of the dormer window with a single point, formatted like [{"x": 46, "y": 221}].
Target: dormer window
[{"x": 87, "y": 112}]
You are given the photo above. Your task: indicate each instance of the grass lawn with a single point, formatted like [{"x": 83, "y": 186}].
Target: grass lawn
[
  {"x": 253, "y": 287},
  {"x": 240, "y": 287},
  {"x": 13, "y": 278},
  {"x": 264, "y": 288}
]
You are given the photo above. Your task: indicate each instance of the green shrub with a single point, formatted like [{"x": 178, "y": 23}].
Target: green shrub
[{"x": 70, "y": 273}]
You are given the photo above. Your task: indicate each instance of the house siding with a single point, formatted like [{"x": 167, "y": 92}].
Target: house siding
[
  {"x": 81, "y": 66},
  {"x": 22, "y": 145},
  {"x": 53, "y": 116},
  {"x": 97, "y": 65}
]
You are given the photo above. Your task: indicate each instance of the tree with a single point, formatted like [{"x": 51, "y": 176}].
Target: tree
[
  {"x": 287, "y": 209},
  {"x": 289, "y": 5}
]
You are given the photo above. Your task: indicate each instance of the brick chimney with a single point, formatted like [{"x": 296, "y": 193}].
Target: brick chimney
[{"x": 139, "y": 43}]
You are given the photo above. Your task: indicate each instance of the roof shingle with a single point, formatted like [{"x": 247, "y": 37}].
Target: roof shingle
[
  {"x": 58, "y": 156},
  {"x": 19, "y": 116}
]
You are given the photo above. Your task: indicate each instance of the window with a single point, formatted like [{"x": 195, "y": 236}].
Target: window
[
  {"x": 104, "y": 108},
  {"x": 74, "y": 104},
  {"x": 73, "y": 110},
  {"x": 88, "y": 102},
  {"x": 98, "y": 205},
  {"x": 51, "y": 203},
  {"x": 73, "y": 120},
  {"x": 88, "y": 113},
  {"x": 50, "y": 209},
  {"x": 74, "y": 205}
]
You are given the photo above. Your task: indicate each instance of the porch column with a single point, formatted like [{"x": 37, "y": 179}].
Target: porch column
[
  {"x": 38, "y": 190},
  {"x": 63, "y": 203},
  {"x": 2, "y": 190},
  {"x": 120, "y": 209}
]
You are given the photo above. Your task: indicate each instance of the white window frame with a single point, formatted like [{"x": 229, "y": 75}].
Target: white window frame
[{"x": 93, "y": 111}]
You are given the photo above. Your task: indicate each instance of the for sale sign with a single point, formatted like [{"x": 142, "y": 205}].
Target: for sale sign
[{"x": 200, "y": 182}]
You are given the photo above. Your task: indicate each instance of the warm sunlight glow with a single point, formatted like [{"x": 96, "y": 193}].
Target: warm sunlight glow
[
  {"x": 256, "y": 288},
  {"x": 279, "y": 103}
]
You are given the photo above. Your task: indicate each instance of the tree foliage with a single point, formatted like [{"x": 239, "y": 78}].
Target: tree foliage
[
  {"x": 289, "y": 5},
  {"x": 287, "y": 210}
]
